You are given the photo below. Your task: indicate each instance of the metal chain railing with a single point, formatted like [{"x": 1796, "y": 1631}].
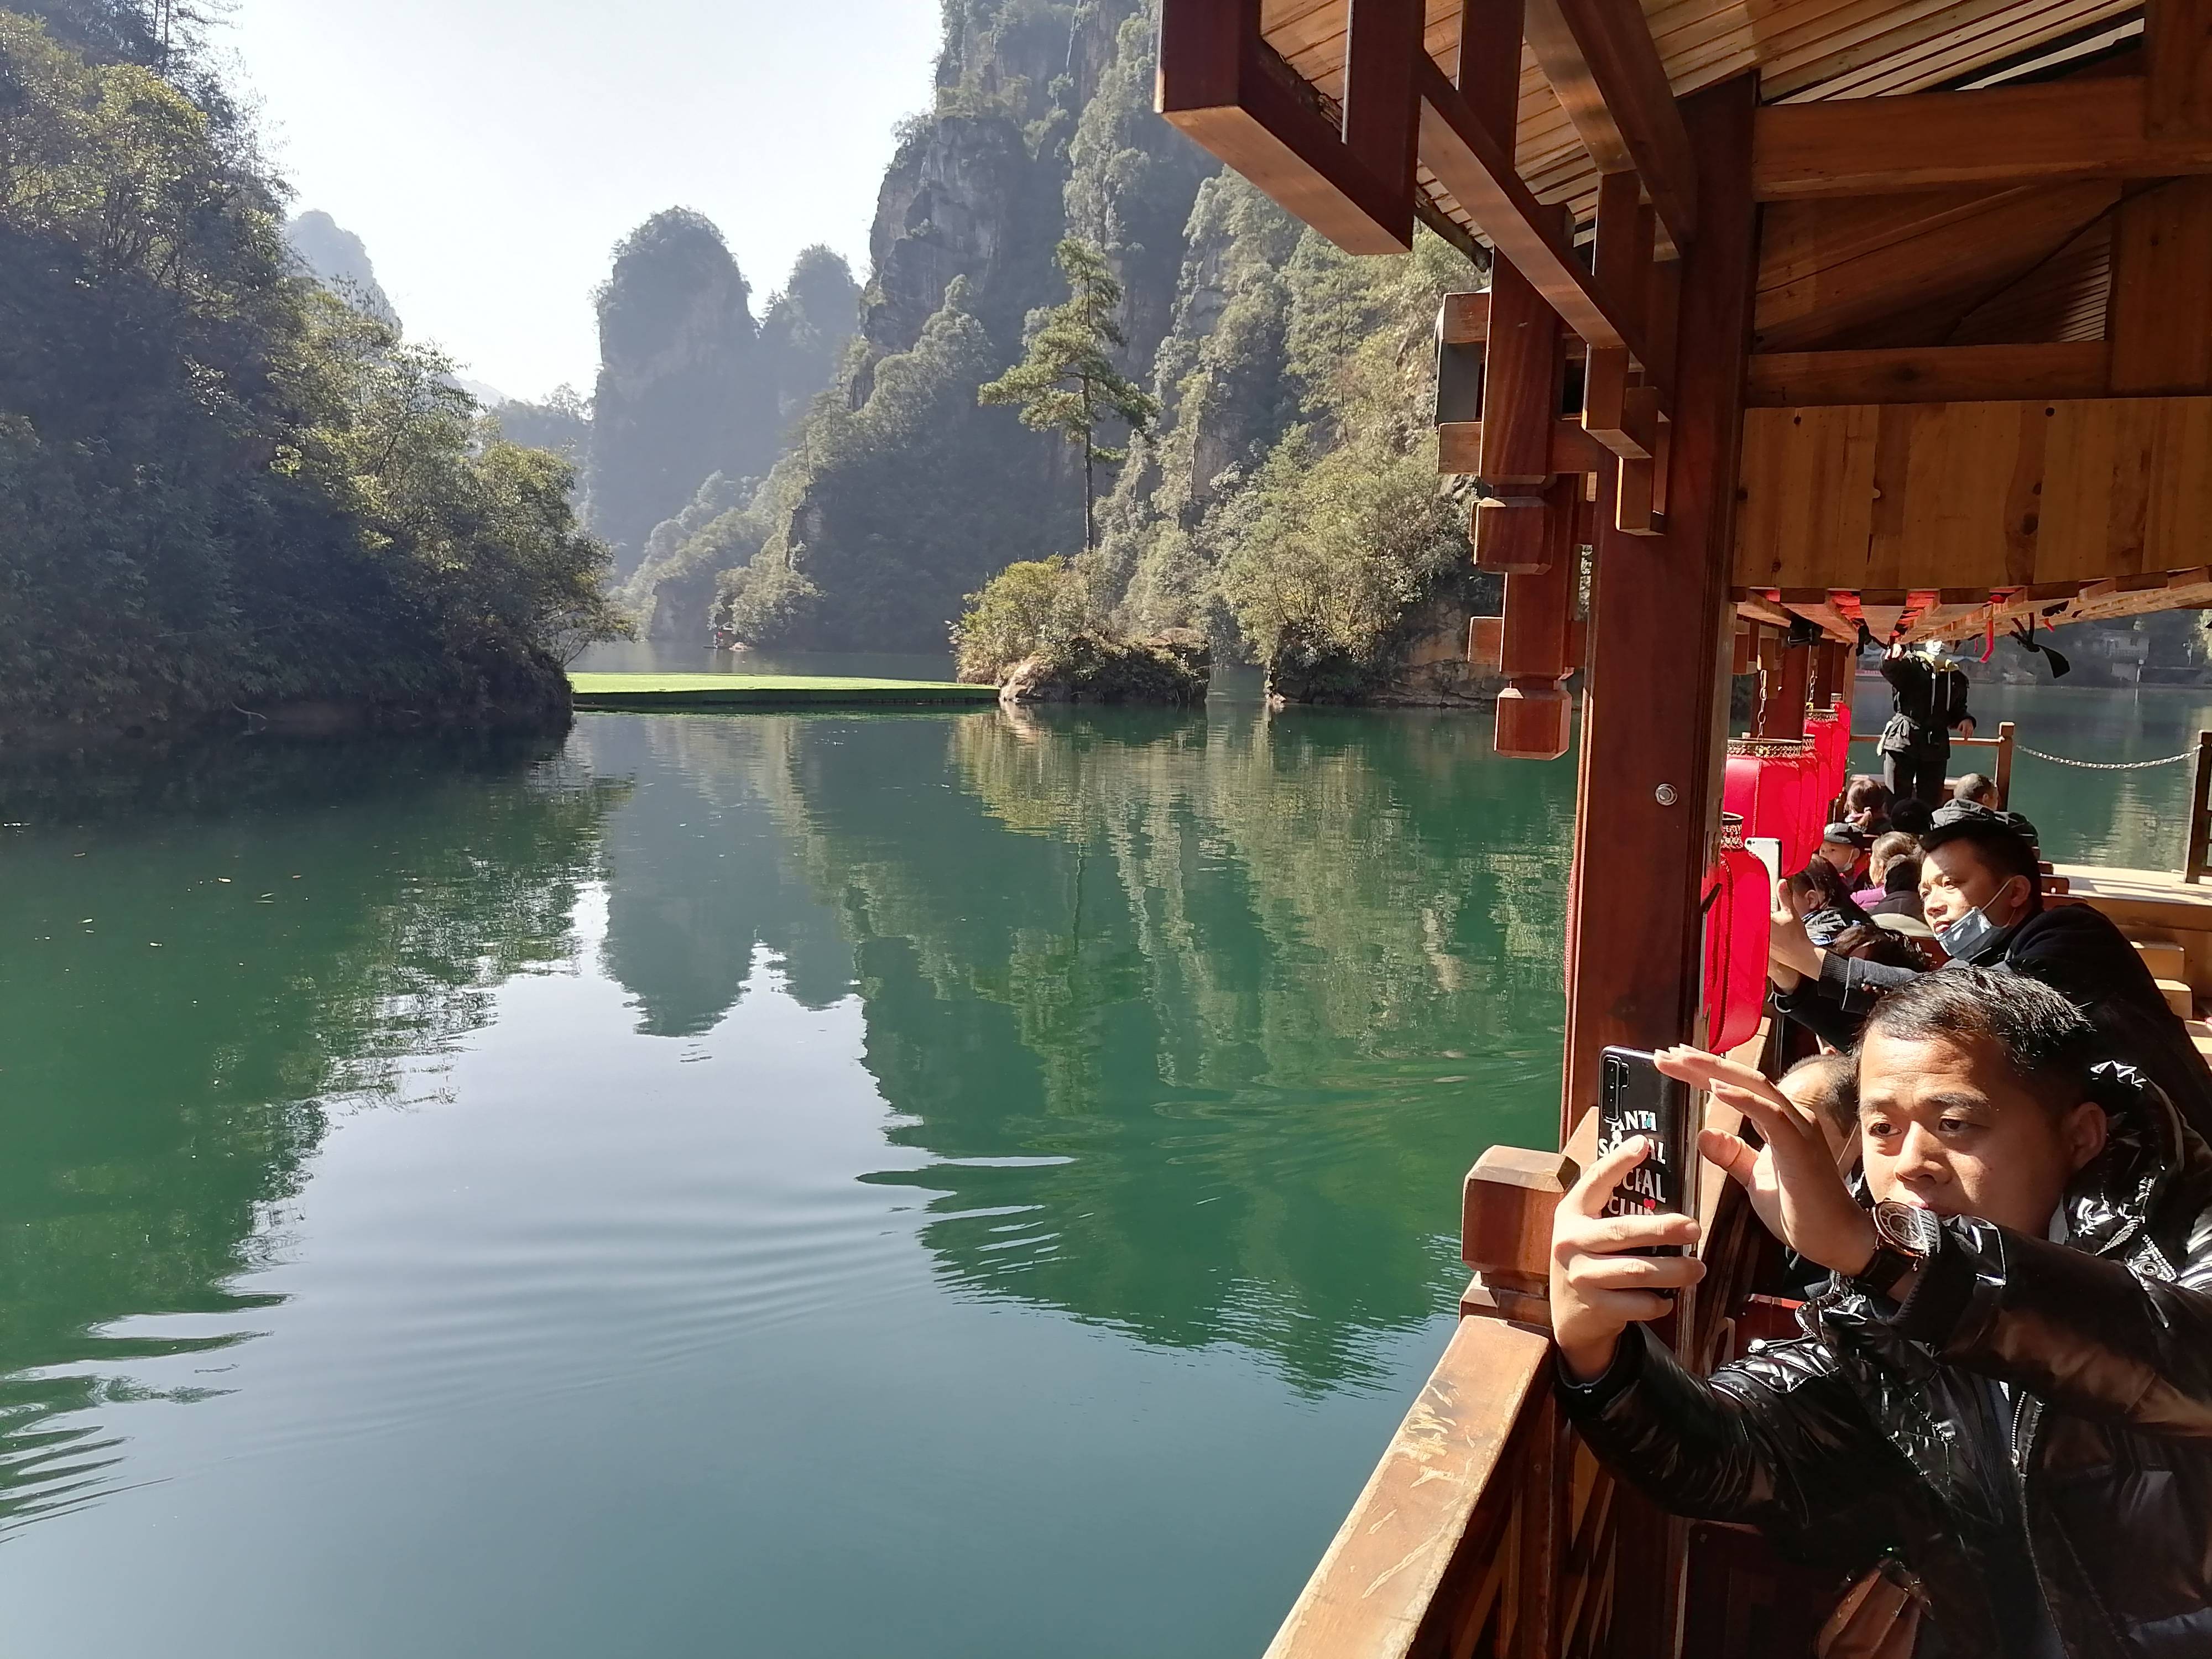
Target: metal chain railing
[{"x": 2106, "y": 766}]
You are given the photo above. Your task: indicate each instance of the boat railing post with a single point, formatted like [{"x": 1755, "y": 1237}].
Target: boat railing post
[
  {"x": 2004, "y": 763},
  {"x": 2200, "y": 804}
]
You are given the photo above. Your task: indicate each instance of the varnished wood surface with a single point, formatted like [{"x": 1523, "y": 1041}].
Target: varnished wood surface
[
  {"x": 1985, "y": 495},
  {"x": 1378, "y": 1581},
  {"x": 1927, "y": 375}
]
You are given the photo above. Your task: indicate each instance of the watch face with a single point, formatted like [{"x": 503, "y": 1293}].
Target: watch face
[{"x": 1910, "y": 1228}]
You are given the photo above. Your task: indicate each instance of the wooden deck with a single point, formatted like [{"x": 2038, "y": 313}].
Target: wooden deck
[{"x": 2169, "y": 919}]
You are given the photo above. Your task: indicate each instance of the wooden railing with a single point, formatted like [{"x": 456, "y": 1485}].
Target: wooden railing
[
  {"x": 1488, "y": 1529},
  {"x": 2003, "y": 743}
]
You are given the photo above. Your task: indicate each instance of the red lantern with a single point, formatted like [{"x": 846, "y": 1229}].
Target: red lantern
[
  {"x": 1774, "y": 784},
  {"x": 1737, "y": 900}
]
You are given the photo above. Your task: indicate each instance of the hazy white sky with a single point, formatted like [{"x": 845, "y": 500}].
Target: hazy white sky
[{"x": 490, "y": 153}]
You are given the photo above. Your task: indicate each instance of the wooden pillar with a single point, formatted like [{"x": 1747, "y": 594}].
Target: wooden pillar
[
  {"x": 1655, "y": 701},
  {"x": 1782, "y": 694}
]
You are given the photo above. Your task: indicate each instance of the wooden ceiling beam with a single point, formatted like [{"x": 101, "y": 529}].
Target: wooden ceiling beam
[
  {"x": 1476, "y": 169},
  {"x": 1929, "y": 374},
  {"x": 1602, "y": 63},
  {"x": 1823, "y": 614},
  {"x": 1226, "y": 89},
  {"x": 2089, "y": 129}
]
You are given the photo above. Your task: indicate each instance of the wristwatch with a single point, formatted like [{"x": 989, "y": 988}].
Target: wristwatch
[{"x": 1906, "y": 1236}]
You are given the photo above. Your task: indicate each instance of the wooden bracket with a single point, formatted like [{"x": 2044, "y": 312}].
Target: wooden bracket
[{"x": 1505, "y": 1230}]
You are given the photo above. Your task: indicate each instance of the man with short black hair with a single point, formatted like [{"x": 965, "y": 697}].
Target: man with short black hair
[
  {"x": 2007, "y": 1383},
  {"x": 1981, "y": 889}
]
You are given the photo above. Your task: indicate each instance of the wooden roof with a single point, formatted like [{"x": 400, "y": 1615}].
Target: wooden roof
[{"x": 1804, "y": 51}]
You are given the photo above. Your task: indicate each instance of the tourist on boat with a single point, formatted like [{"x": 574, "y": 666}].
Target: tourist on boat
[
  {"x": 1977, "y": 789},
  {"x": 1893, "y": 871},
  {"x": 2006, "y": 1387},
  {"x": 1927, "y": 694},
  {"x": 1911, "y": 816},
  {"x": 1844, "y": 845},
  {"x": 1981, "y": 890},
  {"x": 1821, "y": 896},
  {"x": 1866, "y": 805}
]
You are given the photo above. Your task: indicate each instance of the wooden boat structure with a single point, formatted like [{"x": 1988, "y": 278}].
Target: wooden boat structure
[{"x": 1802, "y": 315}]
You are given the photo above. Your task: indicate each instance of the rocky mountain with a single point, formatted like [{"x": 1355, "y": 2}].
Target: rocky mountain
[
  {"x": 337, "y": 259},
  {"x": 682, "y": 393},
  {"x": 1288, "y": 503}
]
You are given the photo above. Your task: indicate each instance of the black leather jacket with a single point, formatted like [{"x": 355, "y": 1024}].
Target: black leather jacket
[{"x": 2087, "y": 1482}]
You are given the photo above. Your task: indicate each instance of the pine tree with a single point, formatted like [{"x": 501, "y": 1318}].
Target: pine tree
[{"x": 1067, "y": 383}]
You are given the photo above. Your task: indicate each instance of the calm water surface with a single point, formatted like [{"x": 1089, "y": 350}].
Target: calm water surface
[{"x": 777, "y": 1184}]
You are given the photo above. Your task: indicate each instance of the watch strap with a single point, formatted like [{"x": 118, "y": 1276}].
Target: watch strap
[{"x": 1882, "y": 1274}]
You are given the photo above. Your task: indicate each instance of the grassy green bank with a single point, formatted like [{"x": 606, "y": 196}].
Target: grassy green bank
[{"x": 663, "y": 692}]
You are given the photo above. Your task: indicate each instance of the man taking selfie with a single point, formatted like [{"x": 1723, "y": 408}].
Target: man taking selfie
[{"x": 2007, "y": 1384}]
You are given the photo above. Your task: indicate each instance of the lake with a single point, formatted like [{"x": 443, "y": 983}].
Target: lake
[
  {"x": 745, "y": 1184},
  {"x": 772, "y": 1183}
]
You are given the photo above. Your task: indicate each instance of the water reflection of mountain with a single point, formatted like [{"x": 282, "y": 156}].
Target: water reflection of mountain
[
  {"x": 1201, "y": 1019},
  {"x": 203, "y": 956},
  {"x": 701, "y": 880}
]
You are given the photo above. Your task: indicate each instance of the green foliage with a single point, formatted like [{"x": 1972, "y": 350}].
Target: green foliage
[
  {"x": 1067, "y": 382},
  {"x": 223, "y": 485},
  {"x": 1032, "y": 608},
  {"x": 808, "y": 323},
  {"x": 883, "y": 517}
]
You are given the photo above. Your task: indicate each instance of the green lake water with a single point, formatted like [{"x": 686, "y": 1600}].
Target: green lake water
[
  {"x": 769, "y": 1184},
  {"x": 777, "y": 1184}
]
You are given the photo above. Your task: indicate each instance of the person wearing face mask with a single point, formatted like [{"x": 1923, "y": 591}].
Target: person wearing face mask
[
  {"x": 1981, "y": 890},
  {"x": 2005, "y": 1388}
]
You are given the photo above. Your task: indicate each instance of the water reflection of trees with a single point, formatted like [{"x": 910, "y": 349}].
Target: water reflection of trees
[
  {"x": 1201, "y": 1019},
  {"x": 273, "y": 929}
]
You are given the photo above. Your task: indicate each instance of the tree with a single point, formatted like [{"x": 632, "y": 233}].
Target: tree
[{"x": 1067, "y": 383}]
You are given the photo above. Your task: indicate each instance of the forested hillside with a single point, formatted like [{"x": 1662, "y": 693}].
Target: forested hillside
[
  {"x": 222, "y": 487},
  {"x": 1289, "y": 505}
]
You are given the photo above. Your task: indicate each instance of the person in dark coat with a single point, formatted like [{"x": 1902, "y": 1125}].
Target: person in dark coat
[
  {"x": 1980, "y": 889},
  {"x": 1927, "y": 696},
  {"x": 2004, "y": 1392}
]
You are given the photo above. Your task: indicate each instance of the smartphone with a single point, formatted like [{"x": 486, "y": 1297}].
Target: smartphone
[{"x": 1636, "y": 1099}]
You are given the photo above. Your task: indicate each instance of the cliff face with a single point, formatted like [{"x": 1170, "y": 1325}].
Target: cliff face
[
  {"x": 1288, "y": 504},
  {"x": 681, "y": 394},
  {"x": 337, "y": 259}
]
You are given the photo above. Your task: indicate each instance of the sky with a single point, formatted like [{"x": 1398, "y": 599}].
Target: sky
[{"x": 491, "y": 153}]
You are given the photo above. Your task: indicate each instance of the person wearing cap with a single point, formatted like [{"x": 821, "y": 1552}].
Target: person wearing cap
[
  {"x": 1981, "y": 891},
  {"x": 1844, "y": 845}
]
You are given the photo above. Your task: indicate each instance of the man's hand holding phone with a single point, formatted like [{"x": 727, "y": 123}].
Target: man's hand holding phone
[
  {"x": 1599, "y": 1287},
  {"x": 1792, "y": 1181}
]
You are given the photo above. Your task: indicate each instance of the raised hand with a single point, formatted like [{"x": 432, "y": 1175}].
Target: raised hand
[
  {"x": 1597, "y": 1289},
  {"x": 1790, "y": 953},
  {"x": 1793, "y": 1181}
]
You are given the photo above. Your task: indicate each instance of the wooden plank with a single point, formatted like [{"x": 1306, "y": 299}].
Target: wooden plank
[
  {"x": 1823, "y": 614},
  {"x": 1464, "y": 319},
  {"x": 1459, "y": 448},
  {"x": 1520, "y": 385},
  {"x": 1382, "y": 41},
  {"x": 1903, "y": 269},
  {"x": 1214, "y": 86},
  {"x": 1489, "y": 64},
  {"x": 2062, "y": 130},
  {"x": 2178, "y": 69},
  {"x": 1928, "y": 374},
  {"x": 2159, "y": 315},
  {"x": 1444, "y": 1468},
  {"x": 1478, "y": 173},
  {"x": 1601, "y": 63},
  {"x": 1622, "y": 266}
]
